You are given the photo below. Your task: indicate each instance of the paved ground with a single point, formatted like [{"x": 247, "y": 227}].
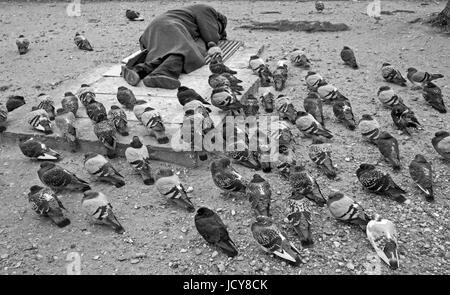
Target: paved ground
[{"x": 165, "y": 238}]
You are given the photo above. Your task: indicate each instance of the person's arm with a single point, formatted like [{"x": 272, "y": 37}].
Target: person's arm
[{"x": 208, "y": 25}]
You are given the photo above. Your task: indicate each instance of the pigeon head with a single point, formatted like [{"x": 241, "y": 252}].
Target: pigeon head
[
  {"x": 164, "y": 172},
  {"x": 21, "y": 36},
  {"x": 310, "y": 73},
  {"x": 335, "y": 196},
  {"x": 253, "y": 57},
  {"x": 121, "y": 88},
  {"x": 68, "y": 94},
  {"x": 301, "y": 114},
  {"x": 47, "y": 165},
  {"x": 77, "y": 34},
  {"x": 148, "y": 109},
  {"x": 182, "y": 88},
  {"x": 442, "y": 134},
  {"x": 397, "y": 110},
  {"x": 35, "y": 188},
  {"x": 136, "y": 142},
  {"x": 224, "y": 162},
  {"x": 346, "y": 47},
  {"x": 84, "y": 85},
  {"x": 203, "y": 211},
  {"x": 420, "y": 158},
  {"x": 411, "y": 70},
  {"x": 364, "y": 167},
  {"x": 115, "y": 107},
  {"x": 211, "y": 44},
  {"x": 377, "y": 217},
  {"x": 257, "y": 178},
  {"x": 386, "y": 64},
  {"x": 89, "y": 156},
  {"x": 17, "y": 97}
]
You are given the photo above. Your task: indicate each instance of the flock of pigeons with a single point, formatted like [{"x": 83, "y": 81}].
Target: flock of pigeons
[{"x": 305, "y": 191}]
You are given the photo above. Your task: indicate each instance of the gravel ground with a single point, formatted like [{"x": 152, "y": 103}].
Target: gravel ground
[{"x": 161, "y": 239}]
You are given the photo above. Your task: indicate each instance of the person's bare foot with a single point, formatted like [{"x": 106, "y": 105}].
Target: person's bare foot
[
  {"x": 161, "y": 81},
  {"x": 131, "y": 76}
]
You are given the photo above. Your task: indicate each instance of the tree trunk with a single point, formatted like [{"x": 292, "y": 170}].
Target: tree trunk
[{"x": 443, "y": 18}]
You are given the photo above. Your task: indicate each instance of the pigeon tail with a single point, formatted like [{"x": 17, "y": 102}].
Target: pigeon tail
[
  {"x": 60, "y": 221},
  {"x": 228, "y": 248}
]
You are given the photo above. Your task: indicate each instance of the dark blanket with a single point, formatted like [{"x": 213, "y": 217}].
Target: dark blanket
[{"x": 184, "y": 31}]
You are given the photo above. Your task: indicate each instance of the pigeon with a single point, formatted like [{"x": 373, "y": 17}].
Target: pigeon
[
  {"x": 342, "y": 110},
  {"x": 348, "y": 56},
  {"x": 169, "y": 186},
  {"x": 119, "y": 119},
  {"x": 214, "y": 51},
  {"x": 46, "y": 203},
  {"x": 65, "y": 122},
  {"x": 133, "y": 15},
  {"x": 310, "y": 127},
  {"x": 345, "y": 209},
  {"x": 255, "y": 63},
  {"x": 39, "y": 120},
  {"x": 3, "y": 117},
  {"x": 98, "y": 208},
  {"x": 217, "y": 67},
  {"x": 213, "y": 230},
  {"x": 422, "y": 174},
  {"x": 226, "y": 177},
  {"x": 218, "y": 80},
  {"x": 106, "y": 134},
  {"x": 265, "y": 76},
  {"x": 47, "y": 104},
  {"x": 14, "y": 102},
  {"x": 329, "y": 93},
  {"x": 320, "y": 154},
  {"x": 140, "y": 107},
  {"x": 388, "y": 147},
  {"x": 137, "y": 156},
  {"x": 96, "y": 111},
  {"x": 392, "y": 75},
  {"x": 70, "y": 103},
  {"x": 313, "y": 105},
  {"x": 267, "y": 101},
  {"x": 299, "y": 217},
  {"x": 404, "y": 118},
  {"x": 433, "y": 95},
  {"x": 281, "y": 131},
  {"x": 280, "y": 76},
  {"x": 251, "y": 106},
  {"x": 388, "y": 97},
  {"x": 196, "y": 107},
  {"x": 369, "y": 127},
  {"x": 314, "y": 80},
  {"x": 99, "y": 166},
  {"x": 283, "y": 62},
  {"x": 153, "y": 121},
  {"x": 35, "y": 149},
  {"x": 86, "y": 94},
  {"x": 273, "y": 241},
  {"x": 259, "y": 194},
  {"x": 192, "y": 131},
  {"x": 126, "y": 97},
  {"x": 320, "y": 6},
  {"x": 415, "y": 76},
  {"x": 225, "y": 99},
  {"x": 286, "y": 161},
  {"x": 285, "y": 108},
  {"x": 237, "y": 149},
  {"x": 441, "y": 143},
  {"x": 379, "y": 183},
  {"x": 299, "y": 59},
  {"x": 58, "y": 178},
  {"x": 383, "y": 237},
  {"x": 303, "y": 184},
  {"x": 82, "y": 43},
  {"x": 22, "y": 44},
  {"x": 186, "y": 94}
]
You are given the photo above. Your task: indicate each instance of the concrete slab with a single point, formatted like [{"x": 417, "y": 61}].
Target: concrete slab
[{"x": 165, "y": 101}]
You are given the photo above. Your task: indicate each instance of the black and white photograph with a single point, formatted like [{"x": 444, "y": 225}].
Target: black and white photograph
[{"x": 244, "y": 139}]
